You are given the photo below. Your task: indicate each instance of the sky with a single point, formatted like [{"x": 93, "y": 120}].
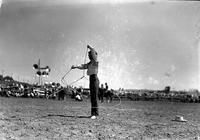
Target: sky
[{"x": 140, "y": 45}]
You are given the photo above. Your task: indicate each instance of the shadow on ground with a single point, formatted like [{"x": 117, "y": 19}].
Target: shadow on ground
[{"x": 67, "y": 116}]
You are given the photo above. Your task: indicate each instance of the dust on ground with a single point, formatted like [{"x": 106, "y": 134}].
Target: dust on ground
[{"x": 40, "y": 119}]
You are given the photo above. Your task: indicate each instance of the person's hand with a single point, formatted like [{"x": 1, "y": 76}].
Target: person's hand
[
  {"x": 73, "y": 67},
  {"x": 88, "y": 46}
]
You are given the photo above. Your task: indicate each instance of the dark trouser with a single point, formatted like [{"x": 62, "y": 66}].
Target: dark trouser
[
  {"x": 101, "y": 97},
  {"x": 94, "y": 90}
]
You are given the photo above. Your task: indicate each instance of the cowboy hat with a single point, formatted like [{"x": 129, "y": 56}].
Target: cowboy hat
[{"x": 180, "y": 119}]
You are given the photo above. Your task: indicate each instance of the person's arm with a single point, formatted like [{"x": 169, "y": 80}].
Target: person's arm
[{"x": 81, "y": 67}]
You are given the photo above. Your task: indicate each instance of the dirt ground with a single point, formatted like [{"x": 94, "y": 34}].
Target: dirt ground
[{"x": 40, "y": 119}]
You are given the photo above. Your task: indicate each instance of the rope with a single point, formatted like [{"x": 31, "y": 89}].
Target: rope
[
  {"x": 62, "y": 79},
  {"x": 85, "y": 61},
  {"x": 112, "y": 107}
]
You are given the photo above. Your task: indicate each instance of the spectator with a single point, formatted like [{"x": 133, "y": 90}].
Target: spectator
[{"x": 101, "y": 93}]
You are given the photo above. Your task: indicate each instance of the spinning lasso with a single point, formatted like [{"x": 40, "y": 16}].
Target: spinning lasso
[
  {"x": 110, "y": 107},
  {"x": 62, "y": 79}
]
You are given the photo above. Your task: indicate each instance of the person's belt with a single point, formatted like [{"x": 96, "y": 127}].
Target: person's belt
[{"x": 93, "y": 75}]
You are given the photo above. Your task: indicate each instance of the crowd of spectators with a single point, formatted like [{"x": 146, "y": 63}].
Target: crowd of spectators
[
  {"x": 56, "y": 91},
  {"x": 47, "y": 91},
  {"x": 191, "y": 96}
]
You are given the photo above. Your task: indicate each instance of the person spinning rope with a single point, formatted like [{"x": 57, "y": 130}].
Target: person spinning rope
[{"x": 92, "y": 70}]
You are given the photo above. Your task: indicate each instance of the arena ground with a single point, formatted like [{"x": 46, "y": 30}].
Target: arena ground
[{"x": 39, "y": 119}]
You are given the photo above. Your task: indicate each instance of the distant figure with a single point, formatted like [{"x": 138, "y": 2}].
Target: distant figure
[
  {"x": 61, "y": 93},
  {"x": 92, "y": 70},
  {"x": 101, "y": 93},
  {"x": 73, "y": 93},
  {"x": 108, "y": 94},
  {"x": 106, "y": 86},
  {"x": 78, "y": 96}
]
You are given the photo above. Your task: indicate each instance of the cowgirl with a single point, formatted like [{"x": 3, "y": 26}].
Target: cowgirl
[{"x": 92, "y": 70}]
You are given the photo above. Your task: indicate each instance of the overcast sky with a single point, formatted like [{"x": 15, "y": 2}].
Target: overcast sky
[{"x": 140, "y": 44}]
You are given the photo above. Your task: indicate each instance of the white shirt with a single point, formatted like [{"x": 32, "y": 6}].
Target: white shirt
[{"x": 92, "y": 67}]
